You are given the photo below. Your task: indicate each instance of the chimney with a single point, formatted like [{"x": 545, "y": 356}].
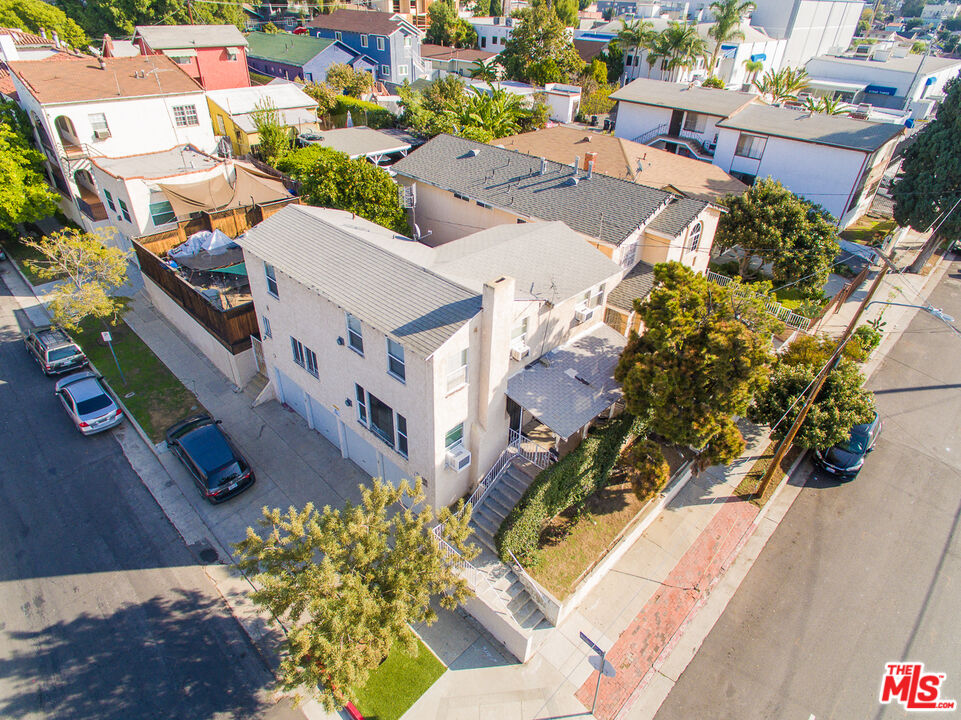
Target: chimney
[
  {"x": 107, "y": 49},
  {"x": 497, "y": 305},
  {"x": 589, "y": 158},
  {"x": 56, "y": 38},
  {"x": 43, "y": 33}
]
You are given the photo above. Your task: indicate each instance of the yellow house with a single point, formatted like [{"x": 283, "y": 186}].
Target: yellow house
[{"x": 232, "y": 112}]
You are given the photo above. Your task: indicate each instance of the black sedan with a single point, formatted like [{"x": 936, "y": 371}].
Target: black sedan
[
  {"x": 219, "y": 471},
  {"x": 844, "y": 460}
]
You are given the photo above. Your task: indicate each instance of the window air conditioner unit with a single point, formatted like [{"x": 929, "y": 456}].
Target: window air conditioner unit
[
  {"x": 458, "y": 458},
  {"x": 583, "y": 314},
  {"x": 101, "y": 134},
  {"x": 520, "y": 351}
]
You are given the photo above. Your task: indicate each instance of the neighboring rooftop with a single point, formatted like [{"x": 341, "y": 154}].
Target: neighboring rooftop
[
  {"x": 359, "y": 141},
  {"x": 635, "y": 286},
  {"x": 604, "y": 207},
  {"x": 710, "y": 101},
  {"x": 23, "y": 39},
  {"x": 331, "y": 253},
  {"x": 908, "y": 63},
  {"x": 286, "y": 47},
  {"x": 442, "y": 52},
  {"x": 82, "y": 79},
  {"x": 178, "y": 160},
  {"x": 176, "y": 37},
  {"x": 834, "y": 130},
  {"x": 629, "y": 160},
  {"x": 359, "y": 21},
  {"x": 589, "y": 49},
  {"x": 294, "y": 106},
  {"x": 6, "y": 79}
]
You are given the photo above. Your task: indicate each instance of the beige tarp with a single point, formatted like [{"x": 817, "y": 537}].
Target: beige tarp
[{"x": 251, "y": 187}]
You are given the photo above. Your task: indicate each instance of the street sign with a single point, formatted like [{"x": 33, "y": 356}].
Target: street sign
[
  {"x": 105, "y": 336},
  {"x": 591, "y": 644}
]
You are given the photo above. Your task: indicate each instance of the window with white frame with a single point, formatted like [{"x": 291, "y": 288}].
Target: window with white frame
[
  {"x": 355, "y": 334},
  {"x": 338, "y": 35},
  {"x": 162, "y": 212},
  {"x": 457, "y": 370},
  {"x": 401, "y": 435},
  {"x": 454, "y": 437},
  {"x": 361, "y": 404},
  {"x": 181, "y": 59},
  {"x": 695, "y": 236},
  {"x": 109, "y": 198},
  {"x": 519, "y": 333},
  {"x": 98, "y": 123},
  {"x": 597, "y": 295},
  {"x": 271, "y": 274},
  {"x": 385, "y": 70},
  {"x": 185, "y": 115},
  {"x": 124, "y": 210},
  {"x": 380, "y": 43},
  {"x": 406, "y": 41},
  {"x": 402, "y": 70},
  {"x": 265, "y": 321},
  {"x": 232, "y": 54},
  {"x": 382, "y": 420},
  {"x": 750, "y": 146},
  {"x": 304, "y": 356},
  {"x": 395, "y": 360},
  {"x": 221, "y": 125},
  {"x": 363, "y": 41}
]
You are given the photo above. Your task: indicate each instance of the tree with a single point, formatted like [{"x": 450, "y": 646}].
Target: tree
[
  {"x": 647, "y": 469},
  {"x": 595, "y": 90},
  {"x": 826, "y": 106},
  {"x": 351, "y": 582},
  {"x": 345, "y": 80},
  {"x": 329, "y": 178},
  {"x": 753, "y": 67},
  {"x": 25, "y": 195},
  {"x": 485, "y": 71},
  {"x": 446, "y": 28},
  {"x": 864, "y": 24},
  {"x": 783, "y": 85},
  {"x": 274, "y": 139},
  {"x": 32, "y": 15},
  {"x": 714, "y": 82},
  {"x": 567, "y": 12},
  {"x": 270, "y": 29},
  {"x": 121, "y": 17},
  {"x": 919, "y": 47},
  {"x": 633, "y": 36},
  {"x": 841, "y": 403},
  {"x": 930, "y": 181},
  {"x": 613, "y": 58},
  {"x": 93, "y": 272},
  {"x": 771, "y": 222},
  {"x": 728, "y": 16},
  {"x": 676, "y": 48},
  {"x": 912, "y": 8},
  {"x": 539, "y": 50},
  {"x": 706, "y": 351}
]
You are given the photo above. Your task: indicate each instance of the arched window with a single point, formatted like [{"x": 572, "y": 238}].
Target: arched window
[
  {"x": 695, "y": 236},
  {"x": 66, "y": 130}
]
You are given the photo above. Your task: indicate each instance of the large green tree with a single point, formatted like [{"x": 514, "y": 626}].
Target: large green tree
[
  {"x": 770, "y": 222},
  {"x": 539, "y": 50},
  {"x": 930, "y": 181},
  {"x": 446, "y": 28},
  {"x": 567, "y": 12},
  {"x": 349, "y": 583},
  {"x": 329, "y": 178},
  {"x": 705, "y": 352},
  {"x": 120, "y": 17},
  {"x": 842, "y": 402},
  {"x": 728, "y": 16},
  {"x": 274, "y": 139},
  {"x": 32, "y": 15},
  {"x": 24, "y": 193},
  {"x": 633, "y": 36}
]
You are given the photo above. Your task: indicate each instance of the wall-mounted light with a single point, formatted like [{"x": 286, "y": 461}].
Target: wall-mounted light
[
  {"x": 348, "y": 402},
  {"x": 340, "y": 341}
]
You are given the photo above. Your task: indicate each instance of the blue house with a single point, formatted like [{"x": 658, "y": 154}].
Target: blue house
[
  {"x": 302, "y": 57},
  {"x": 391, "y": 43}
]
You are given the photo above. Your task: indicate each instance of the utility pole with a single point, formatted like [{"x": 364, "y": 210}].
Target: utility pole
[
  {"x": 818, "y": 384},
  {"x": 190, "y": 11}
]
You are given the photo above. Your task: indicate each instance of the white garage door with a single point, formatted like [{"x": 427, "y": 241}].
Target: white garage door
[
  {"x": 325, "y": 422},
  {"x": 292, "y": 395},
  {"x": 361, "y": 452}
]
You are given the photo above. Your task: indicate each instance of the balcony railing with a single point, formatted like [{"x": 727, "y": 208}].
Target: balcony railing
[
  {"x": 95, "y": 211},
  {"x": 691, "y": 138}
]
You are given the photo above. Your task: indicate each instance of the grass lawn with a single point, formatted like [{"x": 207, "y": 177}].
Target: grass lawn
[
  {"x": 259, "y": 79},
  {"x": 397, "y": 684},
  {"x": 749, "y": 484},
  {"x": 159, "y": 399},
  {"x": 869, "y": 230}
]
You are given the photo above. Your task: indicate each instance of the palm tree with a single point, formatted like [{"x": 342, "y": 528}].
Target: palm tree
[
  {"x": 484, "y": 71},
  {"x": 679, "y": 46},
  {"x": 825, "y": 106},
  {"x": 498, "y": 112},
  {"x": 783, "y": 85},
  {"x": 632, "y": 37},
  {"x": 728, "y": 15},
  {"x": 753, "y": 67}
]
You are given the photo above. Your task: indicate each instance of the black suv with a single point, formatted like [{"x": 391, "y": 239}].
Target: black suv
[
  {"x": 845, "y": 459},
  {"x": 54, "y": 350},
  {"x": 219, "y": 471}
]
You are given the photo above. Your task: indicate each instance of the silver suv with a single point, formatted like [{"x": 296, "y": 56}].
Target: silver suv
[{"x": 54, "y": 350}]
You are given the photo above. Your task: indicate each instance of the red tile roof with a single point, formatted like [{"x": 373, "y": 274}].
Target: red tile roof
[{"x": 22, "y": 38}]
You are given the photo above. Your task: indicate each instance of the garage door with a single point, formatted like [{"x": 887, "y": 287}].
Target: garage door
[
  {"x": 361, "y": 452},
  {"x": 325, "y": 422},
  {"x": 292, "y": 395}
]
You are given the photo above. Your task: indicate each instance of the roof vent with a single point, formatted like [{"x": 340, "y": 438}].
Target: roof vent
[
  {"x": 573, "y": 180},
  {"x": 473, "y": 152},
  {"x": 543, "y": 167}
]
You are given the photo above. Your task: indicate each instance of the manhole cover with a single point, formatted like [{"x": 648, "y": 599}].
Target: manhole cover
[{"x": 208, "y": 555}]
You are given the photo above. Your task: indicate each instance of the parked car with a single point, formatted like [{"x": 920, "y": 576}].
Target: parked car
[
  {"x": 219, "y": 471},
  {"x": 54, "y": 350},
  {"x": 87, "y": 402},
  {"x": 844, "y": 460}
]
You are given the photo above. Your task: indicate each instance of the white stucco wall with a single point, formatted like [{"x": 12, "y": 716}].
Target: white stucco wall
[
  {"x": 811, "y": 27},
  {"x": 634, "y": 120}
]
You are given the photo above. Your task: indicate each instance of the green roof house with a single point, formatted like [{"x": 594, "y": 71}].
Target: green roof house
[{"x": 303, "y": 57}]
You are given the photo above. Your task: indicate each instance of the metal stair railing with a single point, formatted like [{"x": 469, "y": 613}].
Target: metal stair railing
[{"x": 786, "y": 316}]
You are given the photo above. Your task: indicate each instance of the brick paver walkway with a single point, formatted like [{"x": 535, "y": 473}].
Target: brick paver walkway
[{"x": 634, "y": 653}]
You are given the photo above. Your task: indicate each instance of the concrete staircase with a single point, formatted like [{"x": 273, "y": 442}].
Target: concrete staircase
[{"x": 255, "y": 387}]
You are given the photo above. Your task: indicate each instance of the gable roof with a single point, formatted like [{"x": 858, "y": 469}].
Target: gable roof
[
  {"x": 636, "y": 285},
  {"x": 344, "y": 259},
  {"x": 622, "y": 158},
  {"x": 25, "y": 39},
  {"x": 287, "y": 48},
  {"x": 82, "y": 79},
  {"x": 244, "y": 100},
  {"x": 604, "y": 207},
  {"x": 710, "y": 101},
  {"x": 589, "y": 49},
  {"x": 175, "y": 37},
  {"x": 361, "y": 21},
  {"x": 442, "y": 52},
  {"x": 834, "y": 130}
]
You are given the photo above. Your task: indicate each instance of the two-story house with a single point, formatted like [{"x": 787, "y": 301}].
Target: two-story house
[
  {"x": 392, "y": 43},
  {"x": 107, "y": 107},
  {"x": 300, "y": 57},
  {"x": 213, "y": 55},
  {"x": 418, "y": 361},
  {"x": 462, "y": 186}
]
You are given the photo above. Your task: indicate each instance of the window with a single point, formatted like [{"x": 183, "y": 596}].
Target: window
[
  {"x": 395, "y": 360},
  {"x": 695, "y": 122},
  {"x": 265, "y": 321},
  {"x": 380, "y": 43},
  {"x": 185, "y": 115},
  {"x": 402, "y": 70},
  {"x": 402, "y": 435},
  {"x": 750, "y": 146},
  {"x": 385, "y": 70},
  {"x": 381, "y": 419},
  {"x": 232, "y": 54},
  {"x": 407, "y": 41},
  {"x": 361, "y": 404},
  {"x": 297, "y": 350},
  {"x": 483, "y": 42},
  {"x": 109, "y": 198},
  {"x": 303, "y": 356},
  {"x": 483, "y": 205},
  {"x": 454, "y": 437},
  {"x": 461, "y": 197},
  {"x": 363, "y": 41},
  {"x": 457, "y": 370},
  {"x": 181, "y": 59},
  {"x": 311, "y": 357},
  {"x": 221, "y": 125},
  {"x": 376, "y": 415},
  {"x": 162, "y": 213},
  {"x": 98, "y": 123},
  {"x": 695, "y": 236},
  {"x": 597, "y": 297},
  {"x": 355, "y": 334},
  {"x": 124, "y": 210},
  {"x": 271, "y": 276},
  {"x": 519, "y": 333},
  {"x": 338, "y": 35}
]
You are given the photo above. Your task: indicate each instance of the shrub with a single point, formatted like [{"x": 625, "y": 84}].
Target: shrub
[
  {"x": 364, "y": 113},
  {"x": 568, "y": 482},
  {"x": 713, "y": 82},
  {"x": 862, "y": 344},
  {"x": 648, "y": 471}
]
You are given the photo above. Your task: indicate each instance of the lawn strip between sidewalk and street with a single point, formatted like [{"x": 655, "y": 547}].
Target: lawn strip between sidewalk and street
[
  {"x": 400, "y": 680},
  {"x": 748, "y": 486}
]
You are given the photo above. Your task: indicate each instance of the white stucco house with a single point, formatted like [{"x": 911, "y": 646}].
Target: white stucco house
[
  {"x": 492, "y": 32},
  {"x": 107, "y": 107},
  {"x": 810, "y": 27}
]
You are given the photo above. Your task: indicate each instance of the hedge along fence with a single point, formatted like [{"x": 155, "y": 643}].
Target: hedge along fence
[
  {"x": 363, "y": 113},
  {"x": 568, "y": 482}
]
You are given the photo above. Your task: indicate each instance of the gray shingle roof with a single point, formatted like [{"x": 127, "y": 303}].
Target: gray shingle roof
[
  {"x": 603, "y": 207},
  {"x": 710, "y": 101},
  {"x": 635, "y": 285},
  {"x": 675, "y": 218},
  {"x": 175, "y": 37},
  {"x": 834, "y": 130},
  {"x": 327, "y": 252}
]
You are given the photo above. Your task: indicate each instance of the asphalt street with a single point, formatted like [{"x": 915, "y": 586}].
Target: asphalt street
[
  {"x": 104, "y": 612},
  {"x": 857, "y": 574}
]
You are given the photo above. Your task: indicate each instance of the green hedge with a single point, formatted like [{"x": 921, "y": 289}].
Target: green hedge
[
  {"x": 568, "y": 482},
  {"x": 364, "y": 113}
]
